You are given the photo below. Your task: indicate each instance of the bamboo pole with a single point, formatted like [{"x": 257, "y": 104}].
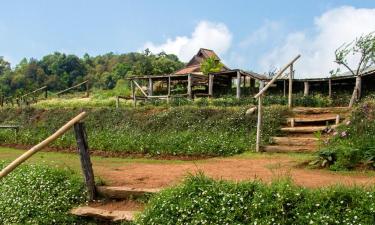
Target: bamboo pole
[
  {"x": 77, "y": 85},
  {"x": 41, "y": 145}
]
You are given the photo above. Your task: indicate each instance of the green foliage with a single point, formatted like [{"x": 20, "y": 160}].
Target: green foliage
[
  {"x": 40, "y": 195},
  {"x": 211, "y": 65},
  {"x": 59, "y": 71},
  {"x": 173, "y": 131},
  {"x": 201, "y": 200},
  {"x": 353, "y": 144}
]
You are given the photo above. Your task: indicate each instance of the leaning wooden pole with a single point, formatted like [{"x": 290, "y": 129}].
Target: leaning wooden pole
[{"x": 41, "y": 145}]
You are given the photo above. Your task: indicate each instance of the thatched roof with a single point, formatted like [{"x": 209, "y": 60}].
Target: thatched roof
[{"x": 194, "y": 65}]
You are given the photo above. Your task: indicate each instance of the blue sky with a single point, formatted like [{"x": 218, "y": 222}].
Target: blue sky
[{"x": 256, "y": 35}]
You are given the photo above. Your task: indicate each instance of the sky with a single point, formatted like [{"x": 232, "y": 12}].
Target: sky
[{"x": 252, "y": 35}]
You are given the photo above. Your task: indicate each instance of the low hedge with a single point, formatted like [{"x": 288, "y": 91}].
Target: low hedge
[
  {"x": 201, "y": 200},
  {"x": 40, "y": 195},
  {"x": 156, "y": 131}
]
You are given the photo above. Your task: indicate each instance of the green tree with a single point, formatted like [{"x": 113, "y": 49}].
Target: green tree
[
  {"x": 4, "y": 65},
  {"x": 364, "y": 48},
  {"x": 211, "y": 65}
]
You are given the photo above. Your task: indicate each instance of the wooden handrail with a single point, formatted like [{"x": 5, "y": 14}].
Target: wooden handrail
[
  {"x": 39, "y": 89},
  {"x": 41, "y": 145},
  {"x": 77, "y": 85},
  {"x": 277, "y": 76},
  {"x": 263, "y": 90}
]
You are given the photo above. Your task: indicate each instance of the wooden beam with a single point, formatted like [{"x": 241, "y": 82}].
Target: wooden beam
[
  {"x": 238, "y": 94},
  {"x": 41, "y": 145},
  {"x": 189, "y": 87},
  {"x": 84, "y": 155},
  {"x": 140, "y": 88},
  {"x": 210, "y": 84},
  {"x": 291, "y": 75},
  {"x": 306, "y": 88}
]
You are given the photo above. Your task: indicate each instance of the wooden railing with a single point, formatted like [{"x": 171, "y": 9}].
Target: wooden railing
[
  {"x": 263, "y": 89},
  {"x": 81, "y": 139}
]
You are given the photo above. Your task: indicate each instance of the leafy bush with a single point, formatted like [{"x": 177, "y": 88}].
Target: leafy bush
[
  {"x": 201, "y": 200},
  {"x": 353, "y": 144},
  {"x": 174, "y": 131},
  {"x": 39, "y": 195}
]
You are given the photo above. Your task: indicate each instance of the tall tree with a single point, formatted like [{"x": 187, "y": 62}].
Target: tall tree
[
  {"x": 4, "y": 65},
  {"x": 364, "y": 48}
]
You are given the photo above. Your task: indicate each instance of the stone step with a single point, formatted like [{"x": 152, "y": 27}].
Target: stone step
[
  {"x": 295, "y": 141},
  {"x": 317, "y": 110},
  {"x": 124, "y": 192},
  {"x": 112, "y": 215},
  {"x": 288, "y": 148}
]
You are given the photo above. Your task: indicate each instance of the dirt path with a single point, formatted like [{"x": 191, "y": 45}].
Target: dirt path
[{"x": 158, "y": 175}]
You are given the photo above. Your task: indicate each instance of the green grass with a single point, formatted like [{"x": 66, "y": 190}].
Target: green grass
[
  {"x": 40, "y": 194},
  {"x": 189, "y": 130},
  {"x": 201, "y": 200}
]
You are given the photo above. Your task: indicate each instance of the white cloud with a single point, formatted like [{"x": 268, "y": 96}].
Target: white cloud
[
  {"x": 331, "y": 30},
  {"x": 262, "y": 34},
  {"x": 215, "y": 36}
]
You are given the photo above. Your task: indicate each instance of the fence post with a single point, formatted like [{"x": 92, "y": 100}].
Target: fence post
[
  {"x": 84, "y": 155},
  {"x": 291, "y": 77},
  {"x": 259, "y": 124}
]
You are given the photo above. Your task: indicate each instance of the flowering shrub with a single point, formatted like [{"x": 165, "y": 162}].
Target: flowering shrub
[
  {"x": 353, "y": 144},
  {"x": 201, "y": 200},
  {"x": 184, "y": 130},
  {"x": 39, "y": 195}
]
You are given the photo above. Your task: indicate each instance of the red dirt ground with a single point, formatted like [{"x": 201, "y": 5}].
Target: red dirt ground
[{"x": 158, "y": 175}]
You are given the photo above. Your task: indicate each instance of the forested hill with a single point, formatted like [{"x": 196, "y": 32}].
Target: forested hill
[{"x": 59, "y": 71}]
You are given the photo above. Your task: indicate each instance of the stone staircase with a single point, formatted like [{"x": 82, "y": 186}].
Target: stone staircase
[
  {"x": 299, "y": 134},
  {"x": 117, "y": 204}
]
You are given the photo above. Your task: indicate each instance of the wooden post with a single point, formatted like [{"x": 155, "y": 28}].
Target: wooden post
[
  {"x": 290, "y": 103},
  {"x": 189, "y": 89},
  {"x": 41, "y": 145},
  {"x": 337, "y": 119},
  {"x": 306, "y": 88},
  {"x": 84, "y": 155},
  {"x": 133, "y": 94},
  {"x": 117, "y": 101},
  {"x": 169, "y": 85},
  {"x": 259, "y": 123},
  {"x": 87, "y": 89},
  {"x": 330, "y": 88},
  {"x": 238, "y": 95},
  {"x": 150, "y": 86},
  {"x": 210, "y": 84},
  {"x": 284, "y": 88}
]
